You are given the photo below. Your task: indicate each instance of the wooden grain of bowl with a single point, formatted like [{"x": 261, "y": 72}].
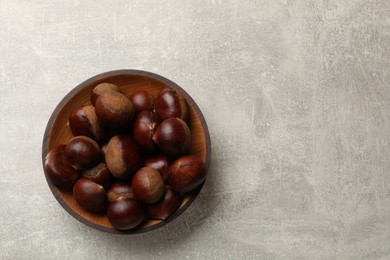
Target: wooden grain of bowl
[{"x": 57, "y": 132}]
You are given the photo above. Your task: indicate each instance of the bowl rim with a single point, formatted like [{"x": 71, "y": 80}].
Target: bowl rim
[{"x": 70, "y": 95}]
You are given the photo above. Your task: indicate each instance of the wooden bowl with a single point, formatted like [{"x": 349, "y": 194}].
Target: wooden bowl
[{"x": 57, "y": 132}]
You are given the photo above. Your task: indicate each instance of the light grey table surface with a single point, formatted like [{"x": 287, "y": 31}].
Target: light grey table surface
[{"x": 296, "y": 95}]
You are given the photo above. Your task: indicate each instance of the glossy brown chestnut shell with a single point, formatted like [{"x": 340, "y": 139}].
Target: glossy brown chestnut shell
[
  {"x": 186, "y": 173},
  {"x": 169, "y": 103},
  {"x": 160, "y": 163},
  {"x": 82, "y": 152},
  {"x": 142, "y": 100},
  {"x": 102, "y": 88},
  {"x": 114, "y": 109},
  {"x": 90, "y": 195},
  {"x": 145, "y": 124},
  {"x": 147, "y": 185},
  {"x": 122, "y": 157},
  {"x": 173, "y": 137},
  {"x": 165, "y": 207},
  {"x": 119, "y": 189},
  {"x": 99, "y": 174},
  {"x": 58, "y": 169},
  {"x": 84, "y": 122},
  {"x": 125, "y": 214}
]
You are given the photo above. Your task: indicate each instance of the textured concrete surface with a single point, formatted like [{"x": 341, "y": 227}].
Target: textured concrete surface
[{"x": 296, "y": 95}]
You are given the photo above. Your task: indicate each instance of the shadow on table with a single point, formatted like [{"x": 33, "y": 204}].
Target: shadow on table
[{"x": 179, "y": 230}]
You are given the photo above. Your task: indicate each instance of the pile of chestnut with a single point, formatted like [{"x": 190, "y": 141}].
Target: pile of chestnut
[{"x": 129, "y": 156}]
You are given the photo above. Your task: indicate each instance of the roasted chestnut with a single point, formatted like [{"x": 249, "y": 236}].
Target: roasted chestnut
[
  {"x": 114, "y": 109},
  {"x": 147, "y": 185},
  {"x": 145, "y": 124},
  {"x": 125, "y": 214},
  {"x": 160, "y": 163},
  {"x": 173, "y": 137},
  {"x": 58, "y": 169},
  {"x": 119, "y": 189},
  {"x": 84, "y": 122},
  {"x": 82, "y": 152},
  {"x": 102, "y": 88},
  {"x": 142, "y": 100},
  {"x": 169, "y": 103},
  {"x": 90, "y": 195},
  {"x": 165, "y": 207},
  {"x": 99, "y": 174},
  {"x": 186, "y": 173},
  {"x": 122, "y": 157}
]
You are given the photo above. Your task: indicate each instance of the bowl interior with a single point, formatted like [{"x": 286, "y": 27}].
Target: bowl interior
[{"x": 57, "y": 132}]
